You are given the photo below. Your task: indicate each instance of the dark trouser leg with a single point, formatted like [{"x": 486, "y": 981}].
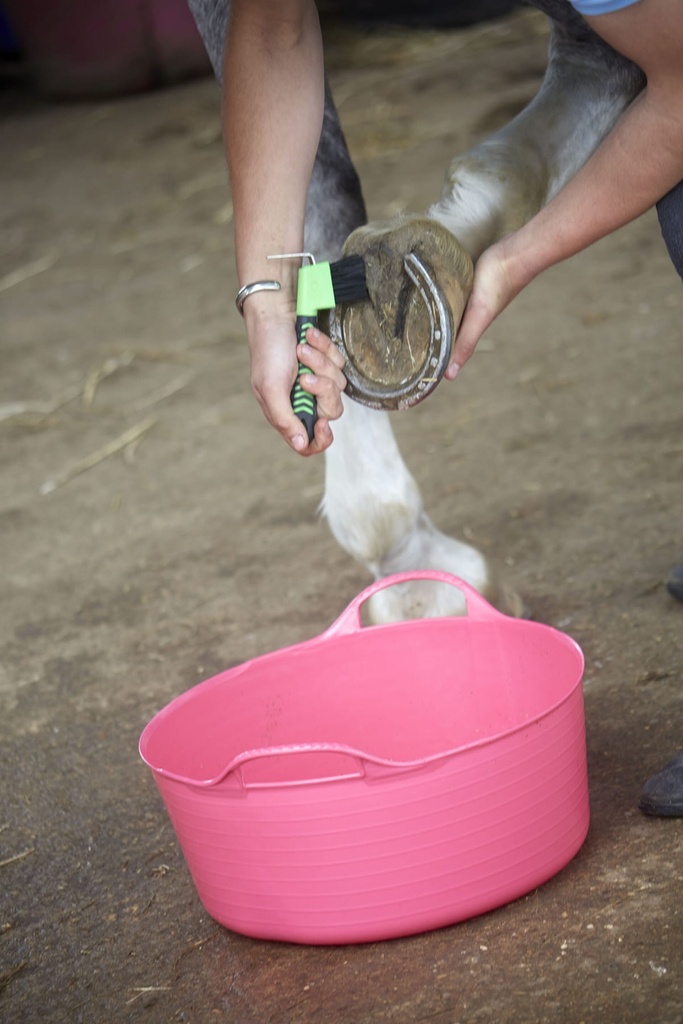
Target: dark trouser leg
[
  {"x": 670, "y": 213},
  {"x": 663, "y": 793}
]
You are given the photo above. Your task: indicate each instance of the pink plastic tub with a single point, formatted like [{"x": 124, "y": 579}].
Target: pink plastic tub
[{"x": 381, "y": 781}]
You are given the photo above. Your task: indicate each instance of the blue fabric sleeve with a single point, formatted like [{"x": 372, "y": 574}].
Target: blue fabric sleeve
[{"x": 591, "y": 7}]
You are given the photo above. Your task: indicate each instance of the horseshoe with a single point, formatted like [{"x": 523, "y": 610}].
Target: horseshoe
[{"x": 418, "y": 385}]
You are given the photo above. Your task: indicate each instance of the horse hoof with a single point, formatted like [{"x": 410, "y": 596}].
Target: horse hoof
[
  {"x": 397, "y": 345},
  {"x": 423, "y": 599}
]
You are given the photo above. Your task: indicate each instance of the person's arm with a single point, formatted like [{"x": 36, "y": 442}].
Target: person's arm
[
  {"x": 638, "y": 162},
  {"x": 273, "y": 103}
]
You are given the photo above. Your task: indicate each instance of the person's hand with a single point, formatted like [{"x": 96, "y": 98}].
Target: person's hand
[
  {"x": 496, "y": 283},
  {"x": 274, "y": 366}
]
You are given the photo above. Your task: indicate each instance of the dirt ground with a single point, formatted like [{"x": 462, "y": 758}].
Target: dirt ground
[{"x": 559, "y": 452}]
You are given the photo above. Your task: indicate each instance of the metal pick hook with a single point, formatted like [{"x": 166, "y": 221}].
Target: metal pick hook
[{"x": 293, "y": 256}]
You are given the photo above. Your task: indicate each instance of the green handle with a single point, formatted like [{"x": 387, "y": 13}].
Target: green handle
[{"x": 303, "y": 403}]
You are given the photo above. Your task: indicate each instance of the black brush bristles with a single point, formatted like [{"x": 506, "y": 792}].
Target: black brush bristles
[{"x": 348, "y": 279}]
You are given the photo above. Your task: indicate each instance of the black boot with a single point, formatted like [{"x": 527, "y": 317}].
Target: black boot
[
  {"x": 663, "y": 793},
  {"x": 674, "y": 584}
]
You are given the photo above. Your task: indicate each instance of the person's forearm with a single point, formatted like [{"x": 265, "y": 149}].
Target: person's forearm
[
  {"x": 638, "y": 163},
  {"x": 273, "y": 109}
]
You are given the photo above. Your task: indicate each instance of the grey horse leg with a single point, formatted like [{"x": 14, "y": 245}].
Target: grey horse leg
[{"x": 500, "y": 184}]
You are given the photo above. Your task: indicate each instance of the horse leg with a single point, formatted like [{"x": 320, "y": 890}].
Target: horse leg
[
  {"x": 371, "y": 501},
  {"x": 489, "y": 191},
  {"x": 499, "y": 185}
]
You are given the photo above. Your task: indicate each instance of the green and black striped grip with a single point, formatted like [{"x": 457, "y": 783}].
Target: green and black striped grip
[{"x": 303, "y": 403}]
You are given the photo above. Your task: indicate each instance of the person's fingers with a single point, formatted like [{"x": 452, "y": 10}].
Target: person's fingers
[
  {"x": 320, "y": 364},
  {"x": 322, "y": 438},
  {"x": 274, "y": 371},
  {"x": 326, "y": 380},
  {"x": 476, "y": 320},
  {"x": 281, "y": 416},
  {"x": 329, "y": 380},
  {"x": 327, "y": 394},
  {"x": 492, "y": 290},
  {"x": 320, "y": 341}
]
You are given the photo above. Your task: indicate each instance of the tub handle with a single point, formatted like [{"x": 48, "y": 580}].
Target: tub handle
[
  {"x": 350, "y": 621},
  {"x": 305, "y": 764}
]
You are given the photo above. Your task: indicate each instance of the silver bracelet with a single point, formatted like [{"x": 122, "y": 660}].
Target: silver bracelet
[{"x": 256, "y": 286}]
